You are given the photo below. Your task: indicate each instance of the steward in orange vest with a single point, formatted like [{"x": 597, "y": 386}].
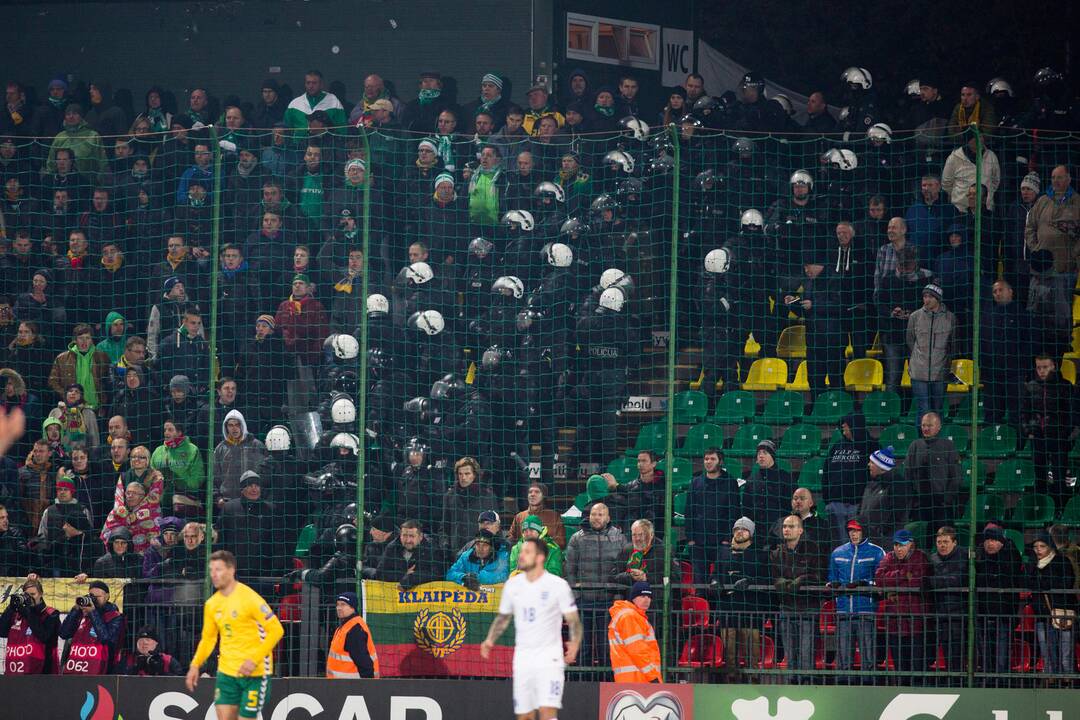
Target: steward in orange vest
[
  {"x": 635, "y": 654},
  {"x": 352, "y": 651}
]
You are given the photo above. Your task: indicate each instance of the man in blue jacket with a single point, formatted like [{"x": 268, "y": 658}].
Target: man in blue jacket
[
  {"x": 481, "y": 564},
  {"x": 852, "y": 566}
]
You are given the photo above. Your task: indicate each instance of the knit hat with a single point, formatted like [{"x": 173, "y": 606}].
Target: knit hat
[
  {"x": 270, "y": 84},
  {"x": 58, "y": 82},
  {"x": 98, "y": 585},
  {"x": 640, "y": 588},
  {"x": 768, "y": 446},
  {"x": 532, "y": 522},
  {"x": 746, "y": 524},
  {"x": 74, "y": 108},
  {"x": 854, "y": 524},
  {"x": 1032, "y": 182},
  {"x": 443, "y": 178},
  {"x": 170, "y": 282},
  {"x": 65, "y": 482},
  {"x": 357, "y": 162},
  {"x": 1044, "y": 537},
  {"x": 351, "y": 599},
  {"x": 884, "y": 458},
  {"x": 534, "y": 88},
  {"x": 382, "y": 523},
  {"x": 268, "y": 319},
  {"x": 180, "y": 382},
  {"x": 493, "y": 79},
  {"x": 147, "y": 631},
  {"x": 902, "y": 537},
  {"x": 45, "y": 273},
  {"x": 485, "y": 536},
  {"x": 250, "y": 477},
  {"x": 171, "y": 523},
  {"x": 993, "y": 532},
  {"x": 429, "y": 144},
  {"x": 301, "y": 277},
  {"x": 488, "y": 516},
  {"x": 934, "y": 290},
  {"x": 431, "y": 74}
]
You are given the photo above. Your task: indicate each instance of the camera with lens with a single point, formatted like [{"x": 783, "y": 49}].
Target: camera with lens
[
  {"x": 84, "y": 601},
  {"x": 21, "y": 599},
  {"x": 152, "y": 663}
]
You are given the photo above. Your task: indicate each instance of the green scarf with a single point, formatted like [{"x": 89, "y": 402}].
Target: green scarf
[
  {"x": 428, "y": 96},
  {"x": 84, "y": 374},
  {"x": 486, "y": 105},
  {"x": 58, "y": 103},
  {"x": 157, "y": 120},
  {"x": 605, "y": 111},
  {"x": 314, "y": 100},
  {"x": 446, "y": 153}
]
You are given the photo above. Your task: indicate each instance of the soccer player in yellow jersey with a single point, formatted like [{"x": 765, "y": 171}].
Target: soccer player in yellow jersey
[{"x": 248, "y": 630}]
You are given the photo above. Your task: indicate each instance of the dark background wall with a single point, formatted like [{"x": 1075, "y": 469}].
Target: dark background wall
[{"x": 229, "y": 47}]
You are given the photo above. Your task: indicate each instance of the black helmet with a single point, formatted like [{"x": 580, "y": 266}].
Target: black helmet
[
  {"x": 345, "y": 538},
  {"x": 573, "y": 228},
  {"x": 1047, "y": 77},
  {"x": 705, "y": 105},
  {"x": 752, "y": 78}
]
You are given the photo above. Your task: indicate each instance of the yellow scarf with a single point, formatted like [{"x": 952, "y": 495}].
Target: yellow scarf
[
  {"x": 114, "y": 265},
  {"x": 175, "y": 260},
  {"x": 344, "y": 285},
  {"x": 972, "y": 119},
  {"x": 296, "y": 307}
]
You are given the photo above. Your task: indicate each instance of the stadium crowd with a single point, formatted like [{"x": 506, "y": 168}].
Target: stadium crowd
[{"x": 516, "y": 258}]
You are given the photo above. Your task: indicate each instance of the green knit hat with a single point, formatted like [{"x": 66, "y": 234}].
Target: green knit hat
[{"x": 533, "y": 523}]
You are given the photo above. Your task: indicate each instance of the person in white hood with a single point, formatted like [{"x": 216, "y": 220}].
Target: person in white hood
[{"x": 238, "y": 452}]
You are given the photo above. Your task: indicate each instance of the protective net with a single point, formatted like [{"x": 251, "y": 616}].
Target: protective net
[{"x": 788, "y": 380}]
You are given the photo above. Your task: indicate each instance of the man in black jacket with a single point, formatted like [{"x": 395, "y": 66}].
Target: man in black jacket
[
  {"x": 1048, "y": 418},
  {"x": 767, "y": 494},
  {"x": 250, "y": 528},
  {"x": 948, "y": 568},
  {"x": 411, "y": 559},
  {"x": 713, "y": 504},
  {"x": 1005, "y": 339},
  {"x": 740, "y": 563},
  {"x": 30, "y": 627},
  {"x": 844, "y": 474},
  {"x": 14, "y": 555},
  {"x": 997, "y": 565}
]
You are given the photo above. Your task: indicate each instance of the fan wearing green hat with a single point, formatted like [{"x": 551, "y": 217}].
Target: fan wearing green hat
[{"x": 533, "y": 527}]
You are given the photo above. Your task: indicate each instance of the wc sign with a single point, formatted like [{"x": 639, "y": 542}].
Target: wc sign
[{"x": 677, "y": 61}]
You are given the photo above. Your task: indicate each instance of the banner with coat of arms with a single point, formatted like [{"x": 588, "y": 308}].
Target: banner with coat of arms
[{"x": 435, "y": 630}]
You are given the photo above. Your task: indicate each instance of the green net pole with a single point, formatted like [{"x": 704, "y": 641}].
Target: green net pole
[
  {"x": 361, "y": 407},
  {"x": 669, "y": 453},
  {"x": 973, "y": 483},
  {"x": 215, "y": 241}
]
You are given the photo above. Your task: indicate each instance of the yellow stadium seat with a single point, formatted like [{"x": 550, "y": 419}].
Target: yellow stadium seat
[
  {"x": 1076, "y": 310},
  {"x": 801, "y": 382},
  {"x": 965, "y": 370},
  {"x": 864, "y": 375},
  {"x": 752, "y": 347},
  {"x": 792, "y": 342},
  {"x": 875, "y": 349},
  {"x": 905, "y": 379},
  {"x": 1068, "y": 370},
  {"x": 766, "y": 374},
  {"x": 1075, "y": 344}
]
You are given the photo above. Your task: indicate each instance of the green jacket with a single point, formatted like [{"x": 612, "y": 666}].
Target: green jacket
[
  {"x": 87, "y": 146},
  {"x": 553, "y": 564},
  {"x": 113, "y": 347},
  {"x": 484, "y": 197},
  {"x": 182, "y": 468}
]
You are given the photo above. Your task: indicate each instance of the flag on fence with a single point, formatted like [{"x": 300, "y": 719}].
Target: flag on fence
[{"x": 435, "y": 629}]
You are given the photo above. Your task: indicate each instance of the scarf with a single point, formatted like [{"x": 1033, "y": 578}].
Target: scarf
[
  {"x": 1046, "y": 560},
  {"x": 230, "y": 274},
  {"x": 193, "y": 202},
  {"x": 445, "y": 152},
  {"x": 486, "y": 105},
  {"x": 157, "y": 120},
  {"x": 58, "y": 103},
  {"x": 297, "y": 308},
  {"x": 605, "y": 111},
  {"x": 23, "y": 342},
  {"x": 636, "y": 561},
  {"x": 426, "y": 165},
  {"x": 428, "y": 96},
  {"x": 344, "y": 285},
  {"x": 175, "y": 442},
  {"x": 967, "y": 118},
  {"x": 114, "y": 265},
  {"x": 567, "y": 176},
  {"x": 175, "y": 260},
  {"x": 84, "y": 374},
  {"x": 366, "y": 104},
  {"x": 843, "y": 258},
  {"x": 76, "y": 261}
]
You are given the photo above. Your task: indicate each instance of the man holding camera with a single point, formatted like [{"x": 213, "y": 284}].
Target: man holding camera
[
  {"x": 31, "y": 627},
  {"x": 148, "y": 658},
  {"x": 95, "y": 629}
]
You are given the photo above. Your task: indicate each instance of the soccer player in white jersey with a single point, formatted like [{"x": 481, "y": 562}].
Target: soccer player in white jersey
[{"x": 538, "y": 602}]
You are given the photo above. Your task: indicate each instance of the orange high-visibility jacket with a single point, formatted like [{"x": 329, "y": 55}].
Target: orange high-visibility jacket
[
  {"x": 339, "y": 663},
  {"x": 635, "y": 654}
]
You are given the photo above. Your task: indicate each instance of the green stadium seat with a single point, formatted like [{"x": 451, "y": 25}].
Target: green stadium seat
[
  {"x": 989, "y": 507},
  {"x": 651, "y": 436},
  {"x": 623, "y": 468},
  {"x": 691, "y": 407},
  {"x": 830, "y": 407},
  {"x": 997, "y": 441},
  {"x": 900, "y": 437},
  {"x": 961, "y": 414},
  {"x": 699, "y": 438},
  {"x": 682, "y": 472},
  {"x": 766, "y": 374},
  {"x": 782, "y": 407},
  {"x": 747, "y": 438},
  {"x": 959, "y": 435},
  {"x": 307, "y": 538},
  {"x": 678, "y": 502},
  {"x": 1071, "y": 514},
  {"x": 734, "y": 407},
  {"x": 1034, "y": 510},
  {"x": 920, "y": 529},
  {"x": 837, "y": 436},
  {"x": 965, "y": 472},
  {"x": 596, "y": 488},
  {"x": 810, "y": 474},
  {"x": 881, "y": 407},
  {"x": 1017, "y": 539},
  {"x": 1013, "y": 476},
  {"x": 800, "y": 441}
]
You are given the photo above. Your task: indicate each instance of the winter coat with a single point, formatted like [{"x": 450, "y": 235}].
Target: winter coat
[
  {"x": 927, "y": 225},
  {"x": 959, "y": 174},
  {"x": 592, "y": 556},
  {"x": 252, "y": 530},
  {"x": 1048, "y": 407},
  {"x": 232, "y": 460},
  {"x": 902, "y": 613},
  {"x": 1043, "y": 230},
  {"x": 304, "y": 325},
  {"x": 948, "y": 572},
  {"x": 799, "y": 567},
  {"x": 554, "y": 562},
  {"x": 111, "y": 565},
  {"x": 1056, "y": 575},
  {"x": 844, "y": 474},
  {"x": 886, "y": 505},
  {"x": 106, "y": 117},
  {"x": 767, "y": 494},
  {"x": 85, "y": 144},
  {"x": 14, "y": 553},
  {"x": 712, "y": 507},
  {"x": 36, "y": 486},
  {"x": 64, "y": 373},
  {"x": 183, "y": 469},
  {"x": 112, "y": 346},
  {"x": 180, "y": 354},
  {"x": 929, "y": 336},
  {"x": 460, "y": 509},
  {"x": 637, "y": 500},
  {"x": 552, "y": 523},
  {"x": 932, "y": 466},
  {"x": 635, "y": 654},
  {"x": 426, "y": 562},
  {"x": 1003, "y": 569},
  {"x": 855, "y": 564},
  {"x": 1005, "y": 339},
  {"x": 495, "y": 569},
  {"x": 732, "y": 565}
]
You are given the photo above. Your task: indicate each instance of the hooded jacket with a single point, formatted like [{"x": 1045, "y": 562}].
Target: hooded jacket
[
  {"x": 495, "y": 569},
  {"x": 902, "y": 613},
  {"x": 927, "y": 224},
  {"x": 1048, "y": 407},
  {"x": 233, "y": 459},
  {"x": 113, "y": 346},
  {"x": 554, "y": 562},
  {"x": 932, "y": 465},
  {"x": 844, "y": 474},
  {"x": 948, "y": 572},
  {"x": 855, "y": 564},
  {"x": 959, "y": 174},
  {"x": 183, "y": 469},
  {"x": 180, "y": 354},
  {"x": 107, "y": 118},
  {"x": 929, "y": 337},
  {"x": 112, "y": 565},
  {"x": 87, "y": 146},
  {"x": 592, "y": 556}
]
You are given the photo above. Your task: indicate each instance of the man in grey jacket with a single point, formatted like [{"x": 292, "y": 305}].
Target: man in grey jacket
[
  {"x": 929, "y": 335},
  {"x": 593, "y": 558},
  {"x": 932, "y": 467}
]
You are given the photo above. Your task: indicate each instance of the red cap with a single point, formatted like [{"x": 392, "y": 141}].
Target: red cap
[
  {"x": 853, "y": 524},
  {"x": 65, "y": 482}
]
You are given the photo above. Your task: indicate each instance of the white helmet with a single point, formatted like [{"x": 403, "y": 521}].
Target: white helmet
[
  {"x": 613, "y": 277},
  {"x": 880, "y": 132},
  {"x": 801, "y": 176},
  {"x": 345, "y": 346},
  {"x": 346, "y": 440},
  {"x": 419, "y": 273},
  {"x": 621, "y": 158},
  {"x": 549, "y": 188},
  {"x": 343, "y": 410},
  {"x": 511, "y": 283},
  {"x": 843, "y": 159},
  {"x": 785, "y": 102},
  {"x": 753, "y": 219},
  {"x": 522, "y": 219},
  {"x": 999, "y": 84},
  {"x": 429, "y": 321},
  {"x": 912, "y": 89},
  {"x": 859, "y": 77},
  {"x": 612, "y": 299},
  {"x": 717, "y": 261},
  {"x": 635, "y": 127},
  {"x": 377, "y": 304},
  {"x": 278, "y": 438},
  {"x": 559, "y": 255}
]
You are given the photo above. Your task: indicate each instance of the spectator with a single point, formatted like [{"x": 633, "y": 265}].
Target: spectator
[
  {"x": 35, "y": 480},
  {"x": 768, "y": 491},
  {"x": 1049, "y": 420},
  {"x": 157, "y": 552},
  {"x": 1055, "y": 611},
  {"x": 181, "y": 466},
  {"x": 644, "y": 556},
  {"x": 184, "y": 406},
  {"x": 79, "y": 424},
  {"x": 185, "y": 352},
  {"x": 62, "y": 538},
  {"x": 315, "y": 99},
  {"x": 238, "y": 452},
  {"x": 1005, "y": 340},
  {"x": 740, "y": 563},
  {"x": 591, "y": 563},
  {"x": 491, "y": 100},
  {"x": 167, "y": 313},
  {"x": 844, "y": 474},
  {"x": 972, "y": 110},
  {"x": 84, "y": 364},
  {"x": 815, "y": 533},
  {"x": 536, "y": 496},
  {"x": 932, "y": 466},
  {"x": 818, "y": 118},
  {"x": 1066, "y": 546},
  {"x": 466, "y": 499},
  {"x": 14, "y": 553},
  {"x": 487, "y": 188},
  {"x": 533, "y": 528},
  {"x": 852, "y": 566},
  {"x": 265, "y": 364},
  {"x": 135, "y": 401},
  {"x": 95, "y": 630},
  {"x": 929, "y": 338},
  {"x": 794, "y": 565},
  {"x": 901, "y": 616},
  {"x": 540, "y": 105},
  {"x": 249, "y": 528},
  {"x": 712, "y": 505},
  {"x": 31, "y": 645},
  {"x": 898, "y": 297},
  {"x": 929, "y": 218},
  {"x": 28, "y": 356},
  {"x": 1048, "y": 228},
  {"x": 149, "y": 659},
  {"x": 997, "y": 566},
  {"x": 959, "y": 174},
  {"x": 411, "y": 559},
  {"x": 642, "y": 497},
  {"x": 303, "y": 322},
  {"x": 888, "y": 498},
  {"x": 137, "y": 509},
  {"x": 480, "y": 565},
  {"x": 947, "y": 581},
  {"x": 84, "y": 143},
  {"x": 119, "y": 560}
]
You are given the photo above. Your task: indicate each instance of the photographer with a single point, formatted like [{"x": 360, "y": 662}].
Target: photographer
[
  {"x": 95, "y": 629},
  {"x": 30, "y": 627},
  {"x": 148, "y": 658}
]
